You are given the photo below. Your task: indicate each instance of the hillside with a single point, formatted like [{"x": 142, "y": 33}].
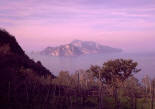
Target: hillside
[
  {"x": 17, "y": 72},
  {"x": 77, "y": 47}
]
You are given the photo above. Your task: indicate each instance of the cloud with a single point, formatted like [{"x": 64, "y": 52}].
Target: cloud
[{"x": 46, "y": 20}]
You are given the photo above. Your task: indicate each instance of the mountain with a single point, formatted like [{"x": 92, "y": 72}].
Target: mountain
[
  {"x": 78, "y": 47},
  {"x": 19, "y": 75}
]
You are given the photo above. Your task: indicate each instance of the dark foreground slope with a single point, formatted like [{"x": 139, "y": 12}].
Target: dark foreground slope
[{"x": 20, "y": 77}]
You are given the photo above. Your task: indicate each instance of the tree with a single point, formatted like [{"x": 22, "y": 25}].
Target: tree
[
  {"x": 132, "y": 88},
  {"x": 63, "y": 79},
  {"x": 152, "y": 99},
  {"x": 114, "y": 73},
  {"x": 146, "y": 82}
]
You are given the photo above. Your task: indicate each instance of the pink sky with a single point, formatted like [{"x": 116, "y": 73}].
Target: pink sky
[{"x": 37, "y": 24}]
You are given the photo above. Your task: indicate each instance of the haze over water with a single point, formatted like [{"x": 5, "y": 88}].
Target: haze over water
[{"x": 55, "y": 64}]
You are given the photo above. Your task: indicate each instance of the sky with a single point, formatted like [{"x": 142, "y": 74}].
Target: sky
[{"x": 36, "y": 24}]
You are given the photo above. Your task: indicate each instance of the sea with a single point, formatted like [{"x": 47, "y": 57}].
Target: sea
[{"x": 146, "y": 62}]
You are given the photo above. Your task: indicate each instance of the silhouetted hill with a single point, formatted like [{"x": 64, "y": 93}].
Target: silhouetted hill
[
  {"x": 78, "y": 47},
  {"x": 12, "y": 53},
  {"x": 18, "y": 74},
  {"x": 7, "y": 40}
]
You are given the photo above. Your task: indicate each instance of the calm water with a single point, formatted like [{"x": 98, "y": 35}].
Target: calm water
[{"x": 56, "y": 64}]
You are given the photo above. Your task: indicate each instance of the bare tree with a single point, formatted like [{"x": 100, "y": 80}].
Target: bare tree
[
  {"x": 152, "y": 99},
  {"x": 146, "y": 82}
]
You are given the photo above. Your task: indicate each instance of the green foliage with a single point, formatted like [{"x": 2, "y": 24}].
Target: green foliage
[{"x": 114, "y": 71}]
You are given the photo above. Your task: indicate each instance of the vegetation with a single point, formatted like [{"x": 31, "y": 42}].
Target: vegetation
[
  {"x": 25, "y": 84},
  {"x": 113, "y": 74}
]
